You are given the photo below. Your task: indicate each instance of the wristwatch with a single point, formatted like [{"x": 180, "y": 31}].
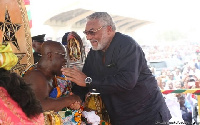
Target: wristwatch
[{"x": 88, "y": 81}]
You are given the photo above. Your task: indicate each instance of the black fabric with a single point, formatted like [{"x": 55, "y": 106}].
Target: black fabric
[
  {"x": 64, "y": 38},
  {"x": 127, "y": 86},
  {"x": 36, "y": 57},
  {"x": 80, "y": 91},
  {"x": 195, "y": 113},
  {"x": 187, "y": 116}
]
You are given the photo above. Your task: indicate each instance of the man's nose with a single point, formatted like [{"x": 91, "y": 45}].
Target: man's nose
[{"x": 89, "y": 37}]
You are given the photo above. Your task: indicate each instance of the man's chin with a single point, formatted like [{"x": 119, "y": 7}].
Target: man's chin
[
  {"x": 96, "y": 48},
  {"x": 93, "y": 48}
]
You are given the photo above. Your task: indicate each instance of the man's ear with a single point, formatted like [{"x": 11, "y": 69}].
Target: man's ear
[
  {"x": 49, "y": 55},
  {"x": 33, "y": 45},
  {"x": 109, "y": 29}
]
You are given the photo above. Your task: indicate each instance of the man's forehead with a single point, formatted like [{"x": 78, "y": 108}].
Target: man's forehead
[
  {"x": 60, "y": 49},
  {"x": 92, "y": 24},
  {"x": 63, "y": 50}
]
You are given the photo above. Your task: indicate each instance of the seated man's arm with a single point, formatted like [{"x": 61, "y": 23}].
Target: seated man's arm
[{"x": 42, "y": 89}]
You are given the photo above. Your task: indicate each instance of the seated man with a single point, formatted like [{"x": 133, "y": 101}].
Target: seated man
[
  {"x": 37, "y": 42},
  {"x": 41, "y": 77}
]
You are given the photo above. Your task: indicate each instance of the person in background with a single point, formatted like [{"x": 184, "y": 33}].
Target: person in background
[
  {"x": 37, "y": 42},
  {"x": 116, "y": 68},
  {"x": 178, "y": 84},
  {"x": 170, "y": 85},
  {"x": 79, "y": 63},
  {"x": 177, "y": 74},
  {"x": 18, "y": 103},
  {"x": 159, "y": 81},
  {"x": 197, "y": 63},
  {"x": 64, "y": 38},
  {"x": 171, "y": 76},
  {"x": 186, "y": 115},
  {"x": 42, "y": 76},
  {"x": 174, "y": 107}
]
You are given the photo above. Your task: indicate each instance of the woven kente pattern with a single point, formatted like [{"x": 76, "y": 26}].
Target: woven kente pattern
[{"x": 27, "y": 32}]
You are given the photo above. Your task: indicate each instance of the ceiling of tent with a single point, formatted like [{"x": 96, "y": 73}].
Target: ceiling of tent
[{"x": 76, "y": 19}]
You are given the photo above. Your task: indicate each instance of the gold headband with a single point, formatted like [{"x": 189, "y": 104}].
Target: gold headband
[{"x": 7, "y": 58}]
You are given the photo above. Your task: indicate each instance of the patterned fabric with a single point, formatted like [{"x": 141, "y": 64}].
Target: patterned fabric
[
  {"x": 52, "y": 118},
  {"x": 28, "y": 69},
  {"x": 12, "y": 114},
  {"x": 7, "y": 58},
  {"x": 63, "y": 85},
  {"x": 94, "y": 103},
  {"x": 63, "y": 88}
]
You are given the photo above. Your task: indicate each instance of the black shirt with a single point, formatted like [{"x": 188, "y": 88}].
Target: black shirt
[{"x": 126, "y": 84}]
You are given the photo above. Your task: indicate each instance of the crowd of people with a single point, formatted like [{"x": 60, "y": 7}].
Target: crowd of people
[
  {"x": 115, "y": 69},
  {"x": 184, "y": 76}
]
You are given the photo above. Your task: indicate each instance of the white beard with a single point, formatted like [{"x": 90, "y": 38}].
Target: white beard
[{"x": 101, "y": 45}]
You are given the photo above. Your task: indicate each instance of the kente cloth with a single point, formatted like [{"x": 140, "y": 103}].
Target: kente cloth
[
  {"x": 7, "y": 58},
  {"x": 29, "y": 69},
  {"x": 63, "y": 88},
  {"x": 12, "y": 114}
]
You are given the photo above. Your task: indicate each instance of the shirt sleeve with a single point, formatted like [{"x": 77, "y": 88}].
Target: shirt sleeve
[{"x": 80, "y": 91}]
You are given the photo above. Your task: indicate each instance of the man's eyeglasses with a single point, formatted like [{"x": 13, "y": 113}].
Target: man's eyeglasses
[
  {"x": 92, "y": 32},
  {"x": 62, "y": 54}
]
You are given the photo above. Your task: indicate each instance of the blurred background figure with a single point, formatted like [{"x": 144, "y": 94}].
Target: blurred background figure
[
  {"x": 178, "y": 84},
  {"x": 64, "y": 38},
  {"x": 75, "y": 49},
  {"x": 174, "y": 107},
  {"x": 186, "y": 114},
  {"x": 197, "y": 63},
  {"x": 37, "y": 42}
]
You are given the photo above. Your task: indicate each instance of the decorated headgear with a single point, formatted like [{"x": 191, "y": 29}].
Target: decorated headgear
[{"x": 7, "y": 58}]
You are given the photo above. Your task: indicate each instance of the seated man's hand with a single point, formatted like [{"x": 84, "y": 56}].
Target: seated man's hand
[
  {"x": 76, "y": 105},
  {"x": 75, "y": 102}
]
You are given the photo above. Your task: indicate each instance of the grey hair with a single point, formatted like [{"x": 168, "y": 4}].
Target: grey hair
[{"x": 104, "y": 18}]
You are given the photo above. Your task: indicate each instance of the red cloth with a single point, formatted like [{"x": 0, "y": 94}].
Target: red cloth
[
  {"x": 12, "y": 114},
  {"x": 27, "y": 2}
]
